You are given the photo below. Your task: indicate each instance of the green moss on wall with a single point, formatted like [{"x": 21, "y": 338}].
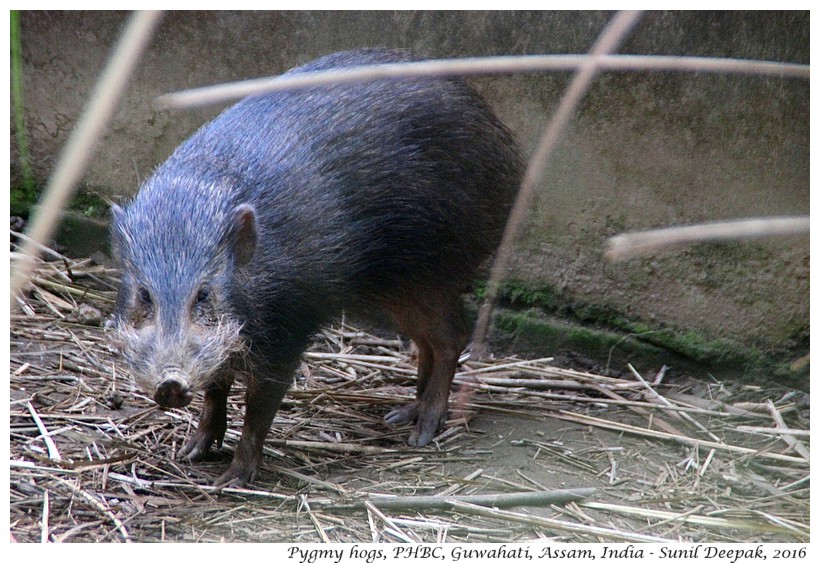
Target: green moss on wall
[{"x": 540, "y": 319}]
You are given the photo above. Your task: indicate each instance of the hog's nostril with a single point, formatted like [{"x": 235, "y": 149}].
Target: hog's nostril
[{"x": 173, "y": 393}]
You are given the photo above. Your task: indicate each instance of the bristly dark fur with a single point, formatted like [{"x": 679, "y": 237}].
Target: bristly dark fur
[{"x": 345, "y": 197}]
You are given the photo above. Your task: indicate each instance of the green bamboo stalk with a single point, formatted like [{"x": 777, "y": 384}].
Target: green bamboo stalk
[{"x": 26, "y": 191}]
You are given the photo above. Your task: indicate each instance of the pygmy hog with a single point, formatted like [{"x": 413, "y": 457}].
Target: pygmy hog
[{"x": 289, "y": 208}]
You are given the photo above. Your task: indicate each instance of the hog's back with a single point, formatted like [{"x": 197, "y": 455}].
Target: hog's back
[{"x": 361, "y": 190}]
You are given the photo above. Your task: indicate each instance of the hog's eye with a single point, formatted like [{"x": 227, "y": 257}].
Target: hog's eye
[
  {"x": 144, "y": 297},
  {"x": 143, "y": 309},
  {"x": 202, "y": 307},
  {"x": 203, "y": 295}
]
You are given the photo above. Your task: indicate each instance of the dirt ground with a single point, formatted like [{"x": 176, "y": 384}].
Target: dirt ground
[{"x": 678, "y": 460}]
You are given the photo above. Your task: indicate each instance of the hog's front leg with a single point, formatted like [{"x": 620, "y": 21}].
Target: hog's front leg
[{"x": 262, "y": 400}]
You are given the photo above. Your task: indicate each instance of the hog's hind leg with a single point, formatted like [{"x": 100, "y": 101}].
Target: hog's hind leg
[
  {"x": 408, "y": 413},
  {"x": 436, "y": 324}
]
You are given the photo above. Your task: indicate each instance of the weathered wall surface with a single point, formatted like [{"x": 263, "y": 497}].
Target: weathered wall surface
[{"x": 646, "y": 150}]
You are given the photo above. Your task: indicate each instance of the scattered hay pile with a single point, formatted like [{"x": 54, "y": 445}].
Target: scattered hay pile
[{"x": 93, "y": 461}]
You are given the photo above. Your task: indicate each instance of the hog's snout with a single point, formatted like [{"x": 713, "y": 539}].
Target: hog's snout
[{"x": 173, "y": 393}]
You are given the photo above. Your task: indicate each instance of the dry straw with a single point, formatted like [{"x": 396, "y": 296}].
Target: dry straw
[{"x": 596, "y": 457}]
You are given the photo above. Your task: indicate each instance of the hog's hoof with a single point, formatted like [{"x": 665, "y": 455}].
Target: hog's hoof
[
  {"x": 197, "y": 447},
  {"x": 237, "y": 475},
  {"x": 428, "y": 422},
  {"x": 426, "y": 429},
  {"x": 402, "y": 415}
]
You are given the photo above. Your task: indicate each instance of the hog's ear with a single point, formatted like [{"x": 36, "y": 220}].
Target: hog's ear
[{"x": 242, "y": 233}]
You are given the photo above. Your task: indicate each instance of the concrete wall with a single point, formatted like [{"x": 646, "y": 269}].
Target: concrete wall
[{"x": 646, "y": 150}]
